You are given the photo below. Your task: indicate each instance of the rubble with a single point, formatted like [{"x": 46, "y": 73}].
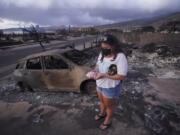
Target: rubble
[
  {"x": 158, "y": 119},
  {"x": 138, "y": 105},
  {"x": 162, "y": 50},
  {"x": 37, "y": 119},
  {"x": 8, "y": 87}
]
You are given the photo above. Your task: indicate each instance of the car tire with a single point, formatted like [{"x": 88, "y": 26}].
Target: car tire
[
  {"x": 88, "y": 87},
  {"x": 24, "y": 87}
]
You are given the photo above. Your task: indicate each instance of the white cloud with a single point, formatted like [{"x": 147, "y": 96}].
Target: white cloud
[
  {"x": 150, "y": 5},
  {"x": 109, "y": 4},
  {"x": 43, "y": 4},
  {"x": 146, "y": 5},
  {"x": 75, "y": 12},
  {"x": 7, "y": 23},
  {"x": 153, "y": 5},
  {"x": 87, "y": 19}
]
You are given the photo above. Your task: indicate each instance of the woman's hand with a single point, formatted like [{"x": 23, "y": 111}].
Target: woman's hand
[{"x": 100, "y": 75}]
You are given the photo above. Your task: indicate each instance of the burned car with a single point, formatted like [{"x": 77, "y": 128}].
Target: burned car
[{"x": 52, "y": 71}]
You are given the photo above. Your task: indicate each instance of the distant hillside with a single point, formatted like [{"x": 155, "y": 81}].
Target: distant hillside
[
  {"x": 155, "y": 21},
  {"x": 48, "y": 28},
  {"x": 169, "y": 18},
  {"x": 11, "y": 29}
]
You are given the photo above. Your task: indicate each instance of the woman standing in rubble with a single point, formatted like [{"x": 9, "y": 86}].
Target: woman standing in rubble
[{"x": 112, "y": 68}]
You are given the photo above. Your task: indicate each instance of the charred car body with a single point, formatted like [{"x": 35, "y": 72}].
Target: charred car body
[{"x": 52, "y": 71}]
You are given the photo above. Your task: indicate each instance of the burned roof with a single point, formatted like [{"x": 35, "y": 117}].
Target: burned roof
[{"x": 54, "y": 52}]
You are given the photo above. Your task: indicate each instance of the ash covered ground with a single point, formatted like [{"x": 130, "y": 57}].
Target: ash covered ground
[{"x": 149, "y": 102}]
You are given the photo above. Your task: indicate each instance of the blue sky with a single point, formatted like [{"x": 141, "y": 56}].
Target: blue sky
[{"x": 18, "y": 13}]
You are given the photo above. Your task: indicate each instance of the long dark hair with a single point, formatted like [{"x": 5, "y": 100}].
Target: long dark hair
[{"x": 114, "y": 43}]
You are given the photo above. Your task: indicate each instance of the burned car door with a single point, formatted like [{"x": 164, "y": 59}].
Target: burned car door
[
  {"x": 57, "y": 73},
  {"x": 33, "y": 73}
]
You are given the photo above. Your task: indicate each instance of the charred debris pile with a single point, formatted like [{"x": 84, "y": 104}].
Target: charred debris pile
[
  {"x": 86, "y": 57},
  {"x": 151, "y": 60}
]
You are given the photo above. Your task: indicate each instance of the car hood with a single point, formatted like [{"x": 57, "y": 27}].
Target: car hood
[{"x": 86, "y": 69}]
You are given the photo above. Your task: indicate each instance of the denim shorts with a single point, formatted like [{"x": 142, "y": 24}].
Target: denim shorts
[{"x": 109, "y": 92}]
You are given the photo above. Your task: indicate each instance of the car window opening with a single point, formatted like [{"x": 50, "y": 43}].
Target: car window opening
[
  {"x": 19, "y": 66},
  {"x": 54, "y": 62},
  {"x": 34, "y": 63}
]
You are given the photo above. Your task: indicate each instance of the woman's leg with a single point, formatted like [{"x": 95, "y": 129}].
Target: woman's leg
[
  {"x": 109, "y": 104},
  {"x": 102, "y": 105}
]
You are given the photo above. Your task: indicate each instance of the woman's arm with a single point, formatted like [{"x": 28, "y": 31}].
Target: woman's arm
[{"x": 114, "y": 77}]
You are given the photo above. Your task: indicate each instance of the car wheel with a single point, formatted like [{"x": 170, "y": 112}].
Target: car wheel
[
  {"x": 88, "y": 87},
  {"x": 24, "y": 87}
]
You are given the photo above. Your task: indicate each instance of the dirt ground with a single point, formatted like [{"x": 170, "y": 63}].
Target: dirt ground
[
  {"x": 24, "y": 118},
  {"x": 148, "y": 104}
]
